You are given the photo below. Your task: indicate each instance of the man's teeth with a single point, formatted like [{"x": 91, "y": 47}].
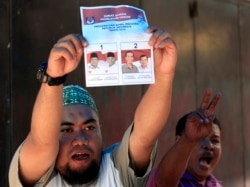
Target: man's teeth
[{"x": 204, "y": 163}]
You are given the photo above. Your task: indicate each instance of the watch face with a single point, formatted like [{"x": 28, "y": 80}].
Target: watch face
[
  {"x": 43, "y": 77},
  {"x": 41, "y": 72}
]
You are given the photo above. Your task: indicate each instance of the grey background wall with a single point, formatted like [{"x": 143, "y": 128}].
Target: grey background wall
[{"x": 214, "y": 51}]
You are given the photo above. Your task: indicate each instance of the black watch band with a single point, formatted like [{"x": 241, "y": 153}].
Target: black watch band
[{"x": 43, "y": 77}]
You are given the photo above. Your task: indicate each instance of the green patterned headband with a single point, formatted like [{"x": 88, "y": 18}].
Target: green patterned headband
[{"x": 74, "y": 94}]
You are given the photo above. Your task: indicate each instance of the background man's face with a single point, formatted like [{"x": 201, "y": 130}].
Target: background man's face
[
  {"x": 129, "y": 58},
  {"x": 94, "y": 61},
  {"x": 144, "y": 61},
  {"x": 111, "y": 60},
  {"x": 205, "y": 155}
]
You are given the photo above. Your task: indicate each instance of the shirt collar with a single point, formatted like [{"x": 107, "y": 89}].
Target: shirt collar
[{"x": 211, "y": 180}]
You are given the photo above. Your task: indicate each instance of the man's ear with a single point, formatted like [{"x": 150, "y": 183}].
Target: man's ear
[{"x": 177, "y": 137}]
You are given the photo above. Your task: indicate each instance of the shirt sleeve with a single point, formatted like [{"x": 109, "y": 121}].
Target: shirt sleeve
[
  {"x": 14, "y": 179},
  {"x": 123, "y": 163}
]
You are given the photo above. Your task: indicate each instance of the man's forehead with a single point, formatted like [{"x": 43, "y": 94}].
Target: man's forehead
[
  {"x": 216, "y": 130},
  {"x": 78, "y": 112}
]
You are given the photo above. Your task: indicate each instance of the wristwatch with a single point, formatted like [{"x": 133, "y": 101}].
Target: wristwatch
[{"x": 43, "y": 77}]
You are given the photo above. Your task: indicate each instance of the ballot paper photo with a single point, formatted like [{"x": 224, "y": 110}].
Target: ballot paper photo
[{"x": 118, "y": 51}]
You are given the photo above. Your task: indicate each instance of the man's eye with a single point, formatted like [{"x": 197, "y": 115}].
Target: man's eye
[
  {"x": 215, "y": 141},
  {"x": 66, "y": 130},
  {"x": 90, "y": 128}
]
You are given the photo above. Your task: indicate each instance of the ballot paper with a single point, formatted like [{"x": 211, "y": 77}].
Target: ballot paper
[{"x": 118, "y": 46}]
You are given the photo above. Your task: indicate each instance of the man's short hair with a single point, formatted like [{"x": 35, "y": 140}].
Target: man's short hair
[
  {"x": 143, "y": 56},
  {"x": 93, "y": 55},
  {"x": 129, "y": 52},
  {"x": 110, "y": 54},
  {"x": 180, "y": 127}
]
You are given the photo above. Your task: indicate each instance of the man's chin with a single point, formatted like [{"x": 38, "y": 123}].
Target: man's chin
[
  {"x": 202, "y": 175},
  {"x": 81, "y": 175}
]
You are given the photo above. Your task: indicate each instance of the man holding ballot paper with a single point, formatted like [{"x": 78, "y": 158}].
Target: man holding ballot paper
[{"x": 64, "y": 147}]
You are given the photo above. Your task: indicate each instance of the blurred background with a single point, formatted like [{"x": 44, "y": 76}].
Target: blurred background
[{"x": 213, "y": 40}]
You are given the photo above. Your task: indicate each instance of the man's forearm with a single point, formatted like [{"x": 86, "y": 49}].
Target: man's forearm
[
  {"x": 47, "y": 113},
  {"x": 174, "y": 164},
  {"x": 153, "y": 111}
]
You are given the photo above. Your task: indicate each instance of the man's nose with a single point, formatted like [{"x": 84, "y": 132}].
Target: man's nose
[
  {"x": 80, "y": 139},
  {"x": 206, "y": 144}
]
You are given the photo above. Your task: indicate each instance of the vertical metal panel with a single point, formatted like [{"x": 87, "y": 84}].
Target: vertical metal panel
[
  {"x": 244, "y": 27},
  {"x": 218, "y": 66},
  {"x": 5, "y": 86}
]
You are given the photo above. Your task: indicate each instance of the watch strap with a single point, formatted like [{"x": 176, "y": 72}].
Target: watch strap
[{"x": 43, "y": 77}]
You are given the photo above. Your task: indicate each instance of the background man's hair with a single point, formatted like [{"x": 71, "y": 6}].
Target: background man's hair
[
  {"x": 110, "y": 54},
  {"x": 143, "y": 56},
  {"x": 93, "y": 55}
]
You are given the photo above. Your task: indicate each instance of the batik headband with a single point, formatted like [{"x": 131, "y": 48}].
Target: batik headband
[{"x": 74, "y": 94}]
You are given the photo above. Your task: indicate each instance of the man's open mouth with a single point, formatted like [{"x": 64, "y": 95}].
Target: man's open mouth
[
  {"x": 206, "y": 159},
  {"x": 80, "y": 156}
]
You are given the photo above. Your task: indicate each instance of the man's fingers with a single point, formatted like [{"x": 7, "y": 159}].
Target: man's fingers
[
  {"x": 66, "y": 49},
  {"x": 209, "y": 106},
  {"x": 206, "y": 98},
  {"x": 159, "y": 38},
  {"x": 213, "y": 103},
  {"x": 72, "y": 43}
]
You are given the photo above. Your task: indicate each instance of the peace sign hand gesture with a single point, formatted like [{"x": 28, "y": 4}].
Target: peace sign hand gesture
[{"x": 199, "y": 123}]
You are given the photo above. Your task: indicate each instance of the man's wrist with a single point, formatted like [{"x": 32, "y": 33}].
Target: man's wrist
[{"x": 44, "y": 77}]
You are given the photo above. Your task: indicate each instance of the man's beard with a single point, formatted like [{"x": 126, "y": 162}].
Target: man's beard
[{"x": 81, "y": 176}]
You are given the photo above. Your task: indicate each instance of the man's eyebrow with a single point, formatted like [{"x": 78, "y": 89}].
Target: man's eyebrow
[
  {"x": 215, "y": 136},
  {"x": 89, "y": 121},
  {"x": 85, "y": 122},
  {"x": 66, "y": 123}
]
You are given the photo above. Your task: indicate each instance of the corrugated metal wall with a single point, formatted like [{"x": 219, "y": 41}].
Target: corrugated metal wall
[{"x": 214, "y": 51}]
